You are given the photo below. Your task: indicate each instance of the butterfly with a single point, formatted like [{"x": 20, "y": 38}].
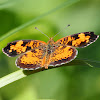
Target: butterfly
[{"x": 36, "y": 54}]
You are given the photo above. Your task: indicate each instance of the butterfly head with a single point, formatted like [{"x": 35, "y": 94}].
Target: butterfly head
[{"x": 51, "y": 41}]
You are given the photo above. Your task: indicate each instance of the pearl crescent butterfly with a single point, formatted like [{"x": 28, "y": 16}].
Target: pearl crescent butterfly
[{"x": 36, "y": 54}]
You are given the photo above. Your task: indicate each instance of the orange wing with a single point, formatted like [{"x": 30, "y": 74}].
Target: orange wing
[
  {"x": 62, "y": 55},
  {"x": 79, "y": 39},
  {"x": 17, "y": 47},
  {"x": 31, "y": 60}
]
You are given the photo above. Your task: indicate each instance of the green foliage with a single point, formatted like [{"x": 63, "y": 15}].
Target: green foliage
[{"x": 73, "y": 81}]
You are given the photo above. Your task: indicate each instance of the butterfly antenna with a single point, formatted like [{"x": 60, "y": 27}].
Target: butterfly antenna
[
  {"x": 62, "y": 30},
  {"x": 41, "y": 32}
]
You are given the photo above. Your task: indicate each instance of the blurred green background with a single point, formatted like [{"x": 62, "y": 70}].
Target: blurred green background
[{"x": 68, "y": 82}]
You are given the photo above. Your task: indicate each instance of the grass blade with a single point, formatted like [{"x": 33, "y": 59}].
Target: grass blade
[
  {"x": 23, "y": 73},
  {"x": 91, "y": 63},
  {"x": 7, "y": 4},
  {"x": 65, "y": 4},
  {"x": 11, "y": 78}
]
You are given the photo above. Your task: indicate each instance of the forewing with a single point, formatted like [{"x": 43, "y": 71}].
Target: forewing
[
  {"x": 31, "y": 60},
  {"x": 17, "y": 47},
  {"x": 79, "y": 40},
  {"x": 62, "y": 55}
]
